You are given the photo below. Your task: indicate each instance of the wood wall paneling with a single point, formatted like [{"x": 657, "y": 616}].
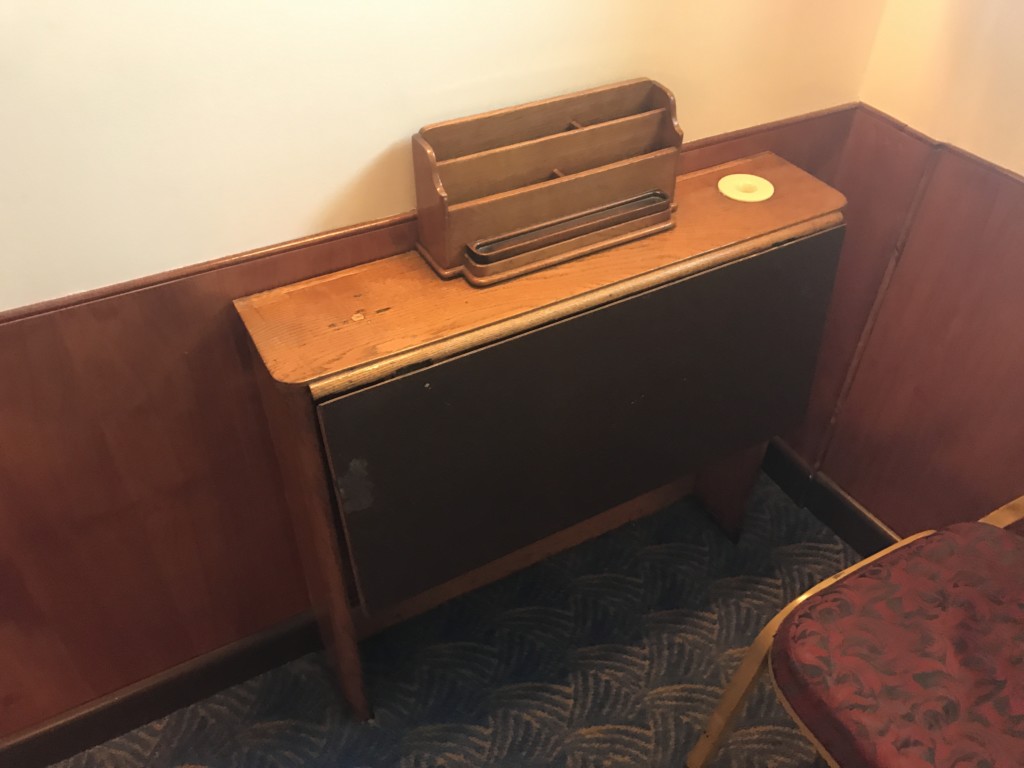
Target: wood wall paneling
[
  {"x": 141, "y": 512},
  {"x": 932, "y": 431},
  {"x": 881, "y": 171},
  {"x": 132, "y": 706}
]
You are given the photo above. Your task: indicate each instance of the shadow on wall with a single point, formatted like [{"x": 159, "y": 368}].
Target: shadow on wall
[{"x": 370, "y": 193}]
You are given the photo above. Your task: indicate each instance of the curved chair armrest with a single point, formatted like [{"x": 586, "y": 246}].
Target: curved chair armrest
[{"x": 1006, "y": 515}]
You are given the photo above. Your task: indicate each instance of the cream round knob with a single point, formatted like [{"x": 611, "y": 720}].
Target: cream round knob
[{"x": 746, "y": 187}]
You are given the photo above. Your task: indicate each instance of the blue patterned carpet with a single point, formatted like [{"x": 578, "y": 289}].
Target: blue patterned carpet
[{"x": 610, "y": 654}]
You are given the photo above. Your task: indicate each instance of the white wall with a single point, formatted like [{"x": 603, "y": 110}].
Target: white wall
[
  {"x": 954, "y": 70},
  {"x": 141, "y": 135},
  {"x": 737, "y": 63}
]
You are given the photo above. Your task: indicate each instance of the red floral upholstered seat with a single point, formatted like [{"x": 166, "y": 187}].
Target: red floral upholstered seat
[{"x": 916, "y": 659}]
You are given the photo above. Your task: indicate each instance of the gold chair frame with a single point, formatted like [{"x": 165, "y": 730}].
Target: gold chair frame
[{"x": 757, "y": 658}]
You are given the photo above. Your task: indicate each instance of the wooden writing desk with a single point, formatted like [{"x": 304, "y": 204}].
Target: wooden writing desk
[{"x": 434, "y": 436}]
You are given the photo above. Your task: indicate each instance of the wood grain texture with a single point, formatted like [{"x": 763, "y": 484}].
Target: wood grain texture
[
  {"x": 500, "y": 170},
  {"x": 141, "y": 515},
  {"x": 524, "y": 122},
  {"x": 373, "y": 320},
  {"x": 932, "y": 431},
  {"x": 486, "y": 175},
  {"x": 882, "y": 171}
]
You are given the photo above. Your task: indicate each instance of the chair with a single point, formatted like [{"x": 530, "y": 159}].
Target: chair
[{"x": 911, "y": 657}]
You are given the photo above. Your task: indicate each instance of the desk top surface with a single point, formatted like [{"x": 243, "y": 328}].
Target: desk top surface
[{"x": 350, "y": 328}]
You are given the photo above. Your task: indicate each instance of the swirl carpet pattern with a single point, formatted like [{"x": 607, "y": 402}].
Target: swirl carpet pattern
[{"x": 610, "y": 654}]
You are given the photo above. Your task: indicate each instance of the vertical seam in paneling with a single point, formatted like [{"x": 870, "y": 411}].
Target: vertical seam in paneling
[{"x": 883, "y": 289}]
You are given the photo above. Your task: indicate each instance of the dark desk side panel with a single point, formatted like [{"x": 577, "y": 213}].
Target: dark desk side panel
[{"x": 447, "y": 468}]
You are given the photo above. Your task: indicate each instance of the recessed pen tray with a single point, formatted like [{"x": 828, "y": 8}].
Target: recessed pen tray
[
  {"x": 506, "y": 192},
  {"x": 513, "y": 253}
]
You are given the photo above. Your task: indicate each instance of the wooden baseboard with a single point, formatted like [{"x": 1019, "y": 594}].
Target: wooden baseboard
[
  {"x": 851, "y": 521},
  {"x": 159, "y": 695},
  {"x": 827, "y": 501},
  {"x": 789, "y": 471}
]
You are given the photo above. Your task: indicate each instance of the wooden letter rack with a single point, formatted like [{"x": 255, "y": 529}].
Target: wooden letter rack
[{"x": 511, "y": 191}]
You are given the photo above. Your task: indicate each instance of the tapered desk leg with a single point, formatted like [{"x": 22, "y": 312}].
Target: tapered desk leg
[
  {"x": 291, "y": 415},
  {"x": 724, "y": 486}
]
